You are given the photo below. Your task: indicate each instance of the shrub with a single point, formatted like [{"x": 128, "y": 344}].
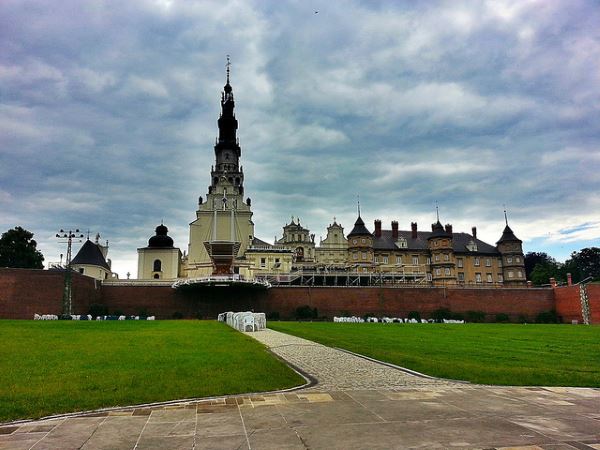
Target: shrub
[
  {"x": 522, "y": 319},
  {"x": 547, "y": 317},
  {"x": 440, "y": 314},
  {"x": 143, "y": 312},
  {"x": 118, "y": 312},
  {"x": 305, "y": 312},
  {"x": 414, "y": 315},
  {"x": 97, "y": 309},
  {"x": 475, "y": 316},
  {"x": 502, "y": 318},
  {"x": 457, "y": 316},
  {"x": 177, "y": 315},
  {"x": 273, "y": 315}
]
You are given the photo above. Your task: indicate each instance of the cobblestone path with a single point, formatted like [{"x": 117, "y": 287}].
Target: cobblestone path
[{"x": 338, "y": 370}]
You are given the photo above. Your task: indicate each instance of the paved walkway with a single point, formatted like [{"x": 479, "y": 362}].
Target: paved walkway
[{"x": 356, "y": 404}]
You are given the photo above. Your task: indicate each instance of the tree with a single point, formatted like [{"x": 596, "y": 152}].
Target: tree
[
  {"x": 532, "y": 259},
  {"x": 18, "y": 249},
  {"x": 587, "y": 262},
  {"x": 542, "y": 272}
]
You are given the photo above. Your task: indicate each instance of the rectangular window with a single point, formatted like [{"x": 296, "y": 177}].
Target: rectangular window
[
  {"x": 438, "y": 272},
  {"x": 488, "y": 262},
  {"x": 447, "y": 270},
  {"x": 446, "y": 257},
  {"x": 364, "y": 255},
  {"x": 428, "y": 261},
  {"x": 415, "y": 260},
  {"x": 355, "y": 256},
  {"x": 461, "y": 276},
  {"x": 376, "y": 258},
  {"x": 459, "y": 263},
  {"x": 437, "y": 257},
  {"x": 478, "y": 277},
  {"x": 511, "y": 274},
  {"x": 428, "y": 276},
  {"x": 520, "y": 274},
  {"x": 500, "y": 278},
  {"x": 399, "y": 259},
  {"x": 385, "y": 259},
  {"x": 489, "y": 277},
  {"x": 263, "y": 262},
  {"x": 500, "y": 262},
  {"x": 518, "y": 259},
  {"x": 477, "y": 262},
  {"x": 509, "y": 259}
]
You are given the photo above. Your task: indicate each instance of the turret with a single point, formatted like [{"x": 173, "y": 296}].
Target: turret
[
  {"x": 442, "y": 254},
  {"x": 513, "y": 260},
  {"x": 360, "y": 246}
]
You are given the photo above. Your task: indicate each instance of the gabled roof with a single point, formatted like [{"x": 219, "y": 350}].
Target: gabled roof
[
  {"x": 359, "y": 229},
  {"x": 258, "y": 242},
  {"x": 459, "y": 242},
  {"x": 90, "y": 254}
]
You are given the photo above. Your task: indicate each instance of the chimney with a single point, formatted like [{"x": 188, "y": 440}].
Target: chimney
[
  {"x": 553, "y": 282},
  {"x": 394, "y": 230},
  {"x": 449, "y": 229},
  {"x": 377, "y": 228},
  {"x": 569, "y": 280},
  {"x": 474, "y": 232},
  {"x": 413, "y": 227}
]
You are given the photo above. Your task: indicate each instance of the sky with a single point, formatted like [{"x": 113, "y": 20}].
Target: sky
[{"x": 108, "y": 115}]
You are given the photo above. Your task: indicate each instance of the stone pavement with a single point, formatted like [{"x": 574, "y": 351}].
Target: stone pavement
[{"x": 357, "y": 404}]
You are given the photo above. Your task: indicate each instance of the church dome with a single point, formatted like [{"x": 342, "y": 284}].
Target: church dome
[{"x": 161, "y": 240}]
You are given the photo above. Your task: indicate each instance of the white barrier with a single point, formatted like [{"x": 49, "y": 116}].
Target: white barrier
[{"x": 244, "y": 321}]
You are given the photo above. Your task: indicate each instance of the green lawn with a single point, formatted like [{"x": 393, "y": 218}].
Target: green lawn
[
  {"x": 502, "y": 354},
  {"x": 49, "y": 367}
]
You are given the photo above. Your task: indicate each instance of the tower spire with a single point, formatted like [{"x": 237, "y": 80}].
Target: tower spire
[
  {"x": 358, "y": 204},
  {"x": 437, "y": 211},
  {"x": 228, "y": 65},
  {"x": 505, "y": 216}
]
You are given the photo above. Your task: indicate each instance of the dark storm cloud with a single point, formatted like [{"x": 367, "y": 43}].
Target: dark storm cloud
[{"x": 108, "y": 115}]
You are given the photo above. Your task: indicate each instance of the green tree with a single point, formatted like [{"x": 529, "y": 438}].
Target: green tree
[
  {"x": 532, "y": 259},
  {"x": 586, "y": 262},
  {"x": 542, "y": 272},
  {"x": 18, "y": 249}
]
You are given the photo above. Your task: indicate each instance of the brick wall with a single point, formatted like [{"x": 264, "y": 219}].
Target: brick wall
[
  {"x": 25, "y": 292},
  {"x": 568, "y": 302}
]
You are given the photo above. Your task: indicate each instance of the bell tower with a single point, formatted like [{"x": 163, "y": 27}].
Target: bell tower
[{"x": 224, "y": 216}]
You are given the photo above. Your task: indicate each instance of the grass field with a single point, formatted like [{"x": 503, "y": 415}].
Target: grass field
[
  {"x": 502, "y": 354},
  {"x": 53, "y": 367}
]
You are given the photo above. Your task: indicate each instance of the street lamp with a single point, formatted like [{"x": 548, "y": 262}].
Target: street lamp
[{"x": 67, "y": 300}]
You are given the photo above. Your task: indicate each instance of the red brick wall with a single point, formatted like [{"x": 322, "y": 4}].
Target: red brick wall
[
  {"x": 568, "y": 302},
  {"x": 25, "y": 292}
]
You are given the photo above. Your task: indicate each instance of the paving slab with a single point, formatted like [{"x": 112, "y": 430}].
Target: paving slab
[{"x": 355, "y": 404}]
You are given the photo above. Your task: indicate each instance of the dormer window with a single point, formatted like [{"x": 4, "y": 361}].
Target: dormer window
[
  {"x": 472, "y": 246},
  {"x": 401, "y": 243}
]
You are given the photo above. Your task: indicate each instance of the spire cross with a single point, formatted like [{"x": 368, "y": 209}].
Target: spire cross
[
  {"x": 228, "y": 65},
  {"x": 505, "y": 216}
]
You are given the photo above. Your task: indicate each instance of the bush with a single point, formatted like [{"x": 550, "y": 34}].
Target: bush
[
  {"x": 475, "y": 316},
  {"x": 440, "y": 314},
  {"x": 547, "y": 317},
  {"x": 177, "y": 315},
  {"x": 457, "y": 316},
  {"x": 97, "y": 309},
  {"x": 143, "y": 312},
  {"x": 273, "y": 315},
  {"x": 502, "y": 318},
  {"x": 522, "y": 319},
  {"x": 305, "y": 312},
  {"x": 367, "y": 315},
  {"x": 414, "y": 315},
  {"x": 118, "y": 312}
]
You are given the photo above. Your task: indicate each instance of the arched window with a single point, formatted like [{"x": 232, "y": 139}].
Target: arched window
[
  {"x": 156, "y": 276},
  {"x": 157, "y": 265}
]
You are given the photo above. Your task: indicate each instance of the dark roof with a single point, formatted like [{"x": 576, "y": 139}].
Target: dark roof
[
  {"x": 508, "y": 236},
  {"x": 161, "y": 240},
  {"x": 90, "y": 253},
  {"x": 359, "y": 228},
  {"x": 459, "y": 242},
  {"x": 438, "y": 231},
  {"x": 261, "y": 243}
]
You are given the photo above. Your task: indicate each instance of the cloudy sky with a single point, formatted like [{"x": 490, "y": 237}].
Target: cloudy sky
[{"x": 108, "y": 116}]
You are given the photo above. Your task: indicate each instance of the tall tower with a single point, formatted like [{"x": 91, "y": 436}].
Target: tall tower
[
  {"x": 224, "y": 216},
  {"x": 513, "y": 260}
]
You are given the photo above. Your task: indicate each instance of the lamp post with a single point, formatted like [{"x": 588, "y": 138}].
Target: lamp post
[{"x": 67, "y": 300}]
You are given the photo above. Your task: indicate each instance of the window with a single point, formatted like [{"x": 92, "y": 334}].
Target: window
[
  {"x": 157, "y": 266},
  {"x": 447, "y": 270},
  {"x": 488, "y": 262},
  {"x": 461, "y": 276},
  {"x": 428, "y": 260},
  {"x": 354, "y": 241},
  {"x": 478, "y": 277},
  {"x": 489, "y": 277},
  {"x": 437, "y": 258},
  {"x": 364, "y": 255},
  {"x": 399, "y": 259},
  {"x": 459, "y": 263},
  {"x": 477, "y": 262},
  {"x": 354, "y": 256},
  {"x": 438, "y": 272},
  {"x": 518, "y": 259},
  {"x": 428, "y": 276},
  {"x": 520, "y": 274},
  {"x": 81, "y": 270},
  {"x": 415, "y": 260},
  {"x": 376, "y": 259},
  {"x": 156, "y": 276},
  {"x": 509, "y": 260},
  {"x": 500, "y": 278},
  {"x": 401, "y": 242},
  {"x": 263, "y": 262},
  {"x": 363, "y": 240},
  {"x": 511, "y": 274},
  {"x": 500, "y": 262},
  {"x": 435, "y": 243},
  {"x": 446, "y": 257},
  {"x": 385, "y": 259}
]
